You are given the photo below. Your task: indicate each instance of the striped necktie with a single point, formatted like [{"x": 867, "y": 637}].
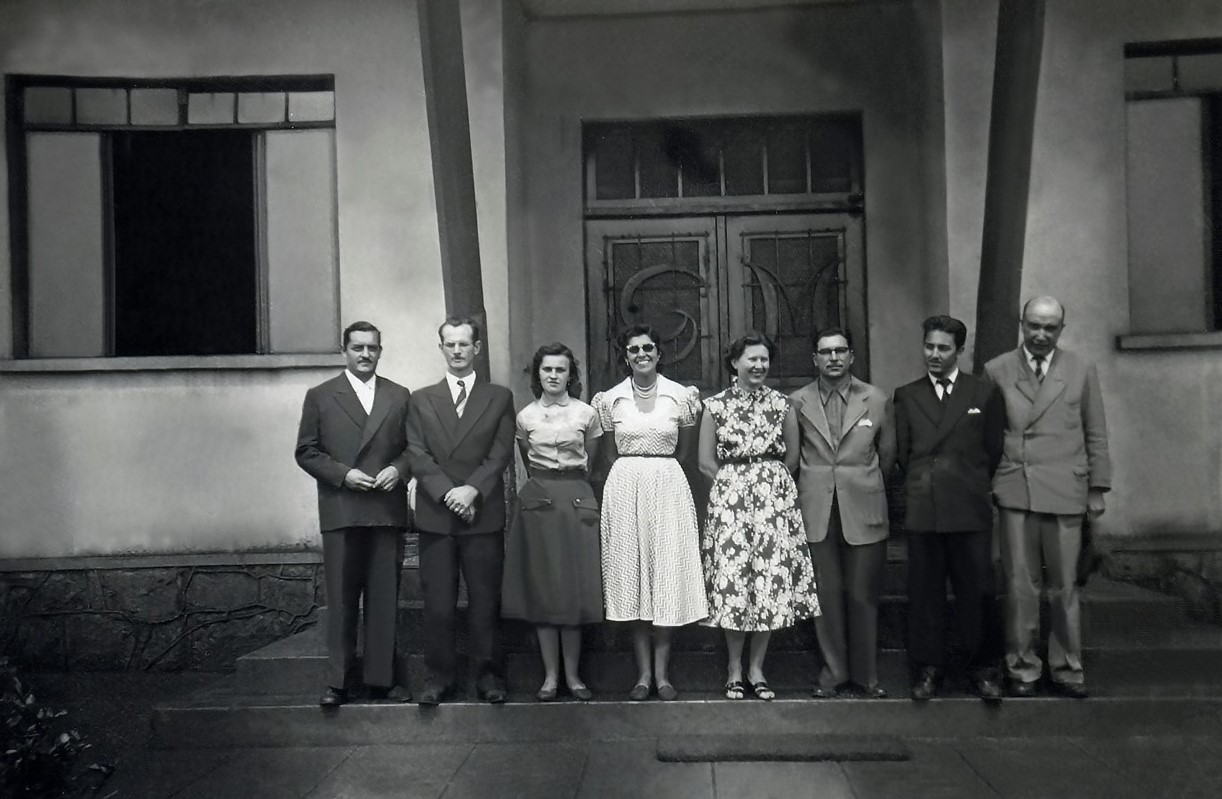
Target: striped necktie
[
  {"x": 460, "y": 402},
  {"x": 1039, "y": 367}
]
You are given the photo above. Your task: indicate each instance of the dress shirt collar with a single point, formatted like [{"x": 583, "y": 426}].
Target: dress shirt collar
[
  {"x": 826, "y": 389},
  {"x": 364, "y": 389},
  {"x": 1047, "y": 362},
  {"x": 561, "y": 403},
  {"x": 952, "y": 377},
  {"x": 468, "y": 381}
]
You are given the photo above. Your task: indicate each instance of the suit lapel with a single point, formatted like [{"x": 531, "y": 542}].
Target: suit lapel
[
  {"x": 1024, "y": 379},
  {"x": 1049, "y": 391},
  {"x": 812, "y": 409},
  {"x": 953, "y": 408},
  {"x": 381, "y": 407},
  {"x": 443, "y": 407},
  {"x": 853, "y": 411},
  {"x": 477, "y": 403},
  {"x": 346, "y": 398},
  {"x": 927, "y": 400}
]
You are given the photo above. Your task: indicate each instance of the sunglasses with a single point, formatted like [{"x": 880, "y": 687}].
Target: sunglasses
[{"x": 646, "y": 348}]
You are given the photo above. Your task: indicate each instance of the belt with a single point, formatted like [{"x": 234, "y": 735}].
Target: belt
[{"x": 751, "y": 459}]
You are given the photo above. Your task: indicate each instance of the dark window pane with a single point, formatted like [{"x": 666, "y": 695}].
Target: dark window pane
[
  {"x": 659, "y": 167},
  {"x": 184, "y": 242},
  {"x": 614, "y": 177},
  {"x": 832, "y": 153},
  {"x": 695, "y": 148},
  {"x": 744, "y": 159},
  {"x": 787, "y": 158}
]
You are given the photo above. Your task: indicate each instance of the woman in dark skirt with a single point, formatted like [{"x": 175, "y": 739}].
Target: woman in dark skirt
[{"x": 553, "y": 575}]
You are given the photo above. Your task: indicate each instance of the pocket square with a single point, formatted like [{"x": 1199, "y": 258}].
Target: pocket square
[
  {"x": 974, "y": 410},
  {"x": 865, "y": 423}
]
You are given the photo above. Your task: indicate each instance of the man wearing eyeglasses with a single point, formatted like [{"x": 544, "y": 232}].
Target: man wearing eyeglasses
[{"x": 848, "y": 444}]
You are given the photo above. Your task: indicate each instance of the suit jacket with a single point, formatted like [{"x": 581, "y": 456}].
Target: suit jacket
[
  {"x": 1056, "y": 437},
  {"x": 445, "y": 451},
  {"x": 948, "y": 452},
  {"x": 336, "y": 435},
  {"x": 851, "y": 470}
]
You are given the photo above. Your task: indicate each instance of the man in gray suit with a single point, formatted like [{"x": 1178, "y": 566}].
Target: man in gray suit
[
  {"x": 352, "y": 440},
  {"x": 1055, "y": 468},
  {"x": 848, "y": 444}
]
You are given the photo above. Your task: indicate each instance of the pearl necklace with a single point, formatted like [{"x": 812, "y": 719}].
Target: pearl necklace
[{"x": 648, "y": 392}]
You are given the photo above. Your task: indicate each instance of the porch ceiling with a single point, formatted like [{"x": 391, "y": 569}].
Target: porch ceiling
[{"x": 586, "y": 8}]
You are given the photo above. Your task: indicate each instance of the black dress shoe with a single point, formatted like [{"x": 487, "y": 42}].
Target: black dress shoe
[
  {"x": 874, "y": 691},
  {"x": 433, "y": 694},
  {"x": 490, "y": 690},
  {"x": 333, "y": 697},
  {"x": 925, "y": 686},
  {"x": 396, "y": 694},
  {"x": 1071, "y": 690},
  {"x": 989, "y": 690},
  {"x": 1023, "y": 689}
]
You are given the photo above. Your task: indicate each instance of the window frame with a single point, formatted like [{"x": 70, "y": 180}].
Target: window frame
[{"x": 16, "y": 130}]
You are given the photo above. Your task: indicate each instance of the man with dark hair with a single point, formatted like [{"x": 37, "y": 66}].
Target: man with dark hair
[
  {"x": 847, "y": 432},
  {"x": 949, "y": 428},
  {"x": 352, "y": 441},
  {"x": 461, "y": 441},
  {"x": 1055, "y": 469}
]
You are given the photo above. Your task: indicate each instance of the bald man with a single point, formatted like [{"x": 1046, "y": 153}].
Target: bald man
[{"x": 1054, "y": 470}]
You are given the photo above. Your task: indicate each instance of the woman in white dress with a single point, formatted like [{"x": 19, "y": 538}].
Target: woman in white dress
[{"x": 650, "y": 544}]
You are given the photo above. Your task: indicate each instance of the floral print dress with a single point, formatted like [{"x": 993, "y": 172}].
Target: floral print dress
[{"x": 758, "y": 572}]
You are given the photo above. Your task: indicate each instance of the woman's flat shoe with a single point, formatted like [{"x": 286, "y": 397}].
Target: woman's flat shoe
[
  {"x": 667, "y": 692},
  {"x": 734, "y": 689},
  {"x": 546, "y": 694},
  {"x": 820, "y": 692},
  {"x": 581, "y": 693},
  {"x": 639, "y": 692},
  {"x": 761, "y": 690}
]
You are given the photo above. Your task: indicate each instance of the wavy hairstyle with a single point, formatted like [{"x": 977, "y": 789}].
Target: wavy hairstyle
[
  {"x": 555, "y": 348},
  {"x": 749, "y": 339},
  {"x": 629, "y": 333}
]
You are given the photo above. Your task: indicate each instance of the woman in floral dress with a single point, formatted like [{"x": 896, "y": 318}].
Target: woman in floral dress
[
  {"x": 650, "y": 544},
  {"x": 758, "y": 572}
]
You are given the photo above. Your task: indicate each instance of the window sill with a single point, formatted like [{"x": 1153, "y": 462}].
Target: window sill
[
  {"x": 1141, "y": 342},
  {"x": 174, "y": 363}
]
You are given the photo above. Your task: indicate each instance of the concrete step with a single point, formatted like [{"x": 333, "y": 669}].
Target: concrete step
[
  {"x": 1113, "y": 614},
  {"x": 1132, "y": 693}
]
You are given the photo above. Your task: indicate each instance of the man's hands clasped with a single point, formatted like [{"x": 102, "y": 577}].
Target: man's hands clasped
[
  {"x": 357, "y": 480},
  {"x": 461, "y": 502}
]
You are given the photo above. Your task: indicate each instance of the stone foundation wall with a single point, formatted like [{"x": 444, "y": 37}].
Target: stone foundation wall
[
  {"x": 1194, "y": 575},
  {"x": 129, "y": 616}
]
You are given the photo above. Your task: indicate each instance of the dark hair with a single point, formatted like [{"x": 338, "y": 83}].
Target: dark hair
[
  {"x": 828, "y": 332},
  {"x": 459, "y": 321},
  {"x": 947, "y": 324},
  {"x": 361, "y": 327},
  {"x": 629, "y": 333},
  {"x": 555, "y": 348},
  {"x": 751, "y": 339}
]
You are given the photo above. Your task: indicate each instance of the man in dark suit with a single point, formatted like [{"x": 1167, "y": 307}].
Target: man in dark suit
[
  {"x": 848, "y": 444},
  {"x": 352, "y": 441},
  {"x": 461, "y": 441},
  {"x": 949, "y": 428},
  {"x": 1055, "y": 470}
]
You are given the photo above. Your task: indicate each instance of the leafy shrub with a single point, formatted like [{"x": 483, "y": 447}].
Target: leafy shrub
[{"x": 36, "y": 760}]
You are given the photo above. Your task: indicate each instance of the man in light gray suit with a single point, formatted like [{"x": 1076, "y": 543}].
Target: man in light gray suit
[
  {"x": 848, "y": 444},
  {"x": 1054, "y": 469}
]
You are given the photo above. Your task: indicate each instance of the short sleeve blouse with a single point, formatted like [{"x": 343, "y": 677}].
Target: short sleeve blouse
[{"x": 556, "y": 434}]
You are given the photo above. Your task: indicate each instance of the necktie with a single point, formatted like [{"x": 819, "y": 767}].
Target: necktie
[
  {"x": 945, "y": 384},
  {"x": 1039, "y": 367},
  {"x": 461, "y": 400}
]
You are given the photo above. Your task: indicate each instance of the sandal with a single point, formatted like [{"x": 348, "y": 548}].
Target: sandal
[
  {"x": 734, "y": 689},
  {"x": 761, "y": 690}
]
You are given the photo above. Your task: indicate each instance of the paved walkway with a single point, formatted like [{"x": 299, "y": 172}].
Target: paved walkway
[{"x": 113, "y": 711}]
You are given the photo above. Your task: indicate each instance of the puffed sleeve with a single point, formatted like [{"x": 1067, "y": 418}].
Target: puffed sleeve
[
  {"x": 602, "y": 411},
  {"x": 689, "y": 407},
  {"x": 593, "y": 427}
]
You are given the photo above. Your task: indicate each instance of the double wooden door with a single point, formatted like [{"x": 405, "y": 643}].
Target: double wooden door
[{"x": 702, "y": 281}]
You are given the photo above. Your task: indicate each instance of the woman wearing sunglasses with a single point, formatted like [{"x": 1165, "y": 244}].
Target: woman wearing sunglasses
[
  {"x": 650, "y": 546},
  {"x": 758, "y": 571}
]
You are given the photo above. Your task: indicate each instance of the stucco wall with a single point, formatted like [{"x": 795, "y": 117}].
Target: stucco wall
[
  {"x": 1164, "y": 408},
  {"x": 182, "y": 461},
  {"x": 774, "y": 61}
]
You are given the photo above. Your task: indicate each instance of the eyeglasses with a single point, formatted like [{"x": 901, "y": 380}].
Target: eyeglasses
[
  {"x": 829, "y": 351},
  {"x": 646, "y": 348}
]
